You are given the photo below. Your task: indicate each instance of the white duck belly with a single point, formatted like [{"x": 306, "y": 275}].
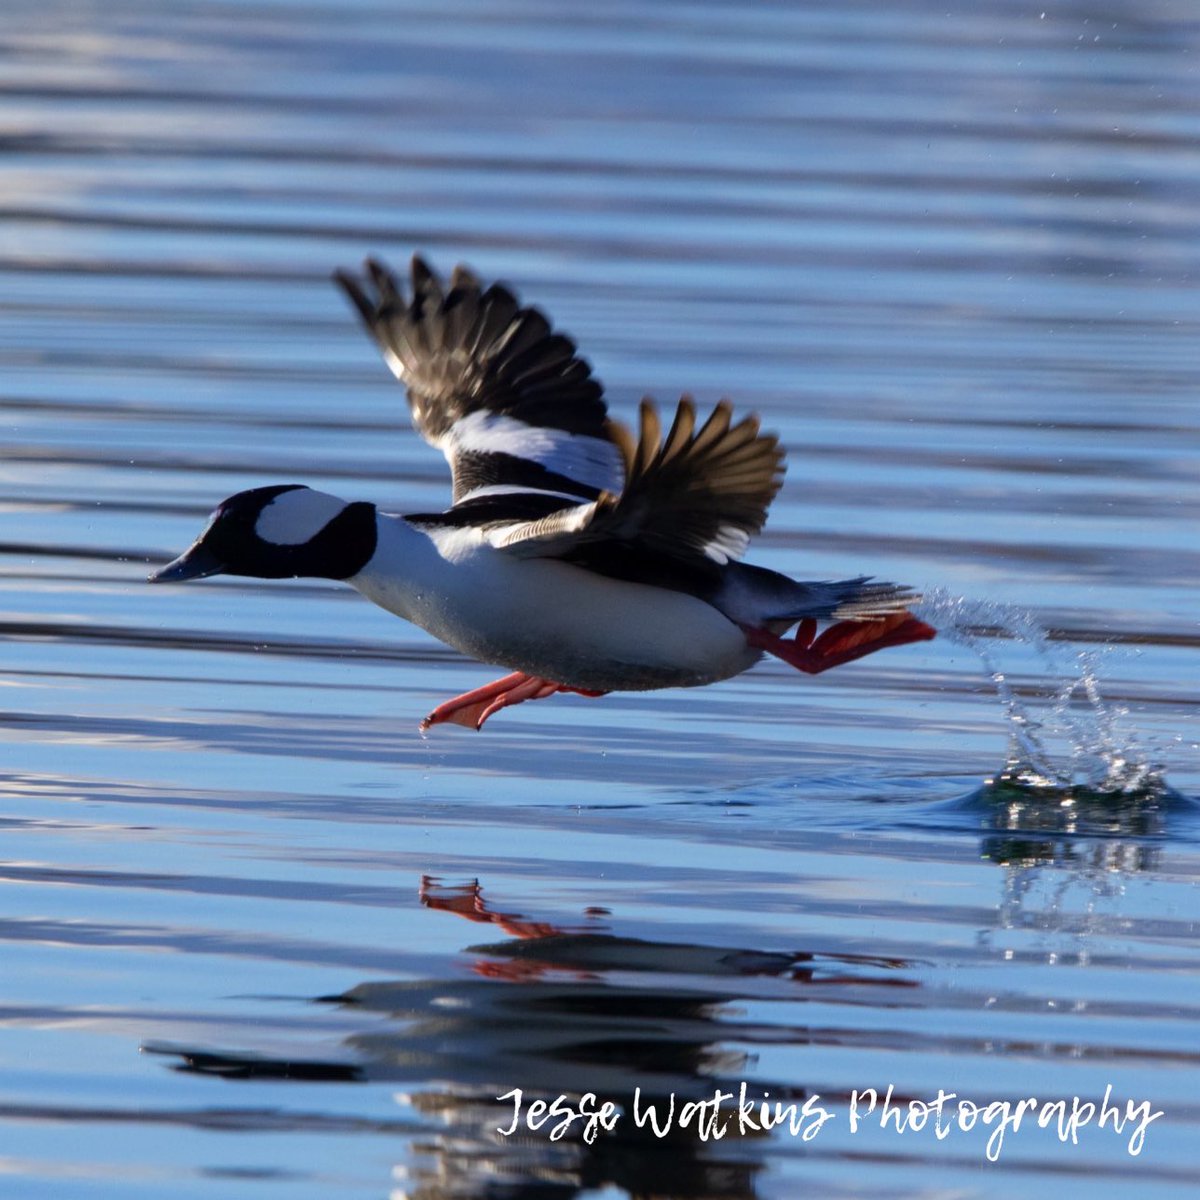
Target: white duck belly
[{"x": 549, "y": 618}]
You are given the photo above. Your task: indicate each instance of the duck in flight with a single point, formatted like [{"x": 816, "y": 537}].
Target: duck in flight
[{"x": 582, "y": 557}]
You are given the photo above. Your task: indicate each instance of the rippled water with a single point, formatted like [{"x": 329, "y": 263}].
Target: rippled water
[{"x": 262, "y": 939}]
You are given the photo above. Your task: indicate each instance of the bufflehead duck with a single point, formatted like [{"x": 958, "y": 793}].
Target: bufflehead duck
[{"x": 585, "y": 559}]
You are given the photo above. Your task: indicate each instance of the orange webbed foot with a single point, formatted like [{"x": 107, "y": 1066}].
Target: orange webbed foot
[
  {"x": 473, "y": 708},
  {"x": 842, "y": 642}
]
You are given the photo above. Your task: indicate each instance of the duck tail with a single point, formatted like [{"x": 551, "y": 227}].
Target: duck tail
[{"x": 859, "y": 599}]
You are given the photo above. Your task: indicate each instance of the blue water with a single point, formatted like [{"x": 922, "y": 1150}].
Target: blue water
[{"x": 263, "y": 939}]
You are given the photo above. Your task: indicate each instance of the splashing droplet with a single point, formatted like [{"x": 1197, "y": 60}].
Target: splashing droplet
[{"x": 1079, "y": 744}]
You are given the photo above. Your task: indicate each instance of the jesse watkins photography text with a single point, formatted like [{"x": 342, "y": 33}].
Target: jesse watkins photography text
[{"x": 743, "y": 1113}]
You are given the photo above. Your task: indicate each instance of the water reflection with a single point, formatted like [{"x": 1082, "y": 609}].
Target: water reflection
[
  {"x": 1067, "y": 855},
  {"x": 1076, "y": 828},
  {"x": 559, "y": 1011}
]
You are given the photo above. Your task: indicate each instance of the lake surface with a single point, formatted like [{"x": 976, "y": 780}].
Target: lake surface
[{"x": 262, "y": 939}]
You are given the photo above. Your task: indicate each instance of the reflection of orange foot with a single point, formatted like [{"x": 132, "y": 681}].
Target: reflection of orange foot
[
  {"x": 471, "y": 709},
  {"x": 840, "y": 643},
  {"x": 466, "y": 900}
]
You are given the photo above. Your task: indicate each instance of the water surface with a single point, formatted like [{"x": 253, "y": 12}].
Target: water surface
[{"x": 261, "y": 938}]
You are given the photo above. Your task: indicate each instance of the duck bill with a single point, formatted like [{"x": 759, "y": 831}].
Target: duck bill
[{"x": 196, "y": 562}]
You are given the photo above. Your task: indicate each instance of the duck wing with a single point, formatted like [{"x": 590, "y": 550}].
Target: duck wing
[
  {"x": 696, "y": 496},
  {"x": 509, "y": 402}
]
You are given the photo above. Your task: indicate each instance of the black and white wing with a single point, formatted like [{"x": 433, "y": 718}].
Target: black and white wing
[
  {"x": 535, "y": 460},
  {"x": 695, "y": 497},
  {"x": 508, "y": 401}
]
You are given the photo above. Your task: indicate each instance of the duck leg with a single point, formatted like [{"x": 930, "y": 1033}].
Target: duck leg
[
  {"x": 471, "y": 709},
  {"x": 466, "y": 900},
  {"x": 840, "y": 643}
]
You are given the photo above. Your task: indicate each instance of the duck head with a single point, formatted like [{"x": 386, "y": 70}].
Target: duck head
[{"x": 280, "y": 532}]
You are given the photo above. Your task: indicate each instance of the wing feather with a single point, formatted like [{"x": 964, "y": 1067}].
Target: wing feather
[
  {"x": 508, "y": 401},
  {"x": 535, "y": 460},
  {"x": 697, "y": 496}
]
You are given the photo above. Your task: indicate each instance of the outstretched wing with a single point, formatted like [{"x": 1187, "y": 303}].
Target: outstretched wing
[
  {"x": 697, "y": 496},
  {"x": 509, "y": 402}
]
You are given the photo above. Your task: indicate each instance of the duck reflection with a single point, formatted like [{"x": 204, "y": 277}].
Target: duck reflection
[{"x": 557, "y": 1010}]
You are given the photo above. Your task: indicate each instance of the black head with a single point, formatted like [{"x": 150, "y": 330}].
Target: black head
[{"x": 279, "y": 532}]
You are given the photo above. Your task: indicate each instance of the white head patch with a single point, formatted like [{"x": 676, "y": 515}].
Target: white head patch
[{"x": 296, "y": 517}]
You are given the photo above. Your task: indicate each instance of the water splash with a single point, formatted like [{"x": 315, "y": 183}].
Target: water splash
[{"x": 1078, "y": 747}]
